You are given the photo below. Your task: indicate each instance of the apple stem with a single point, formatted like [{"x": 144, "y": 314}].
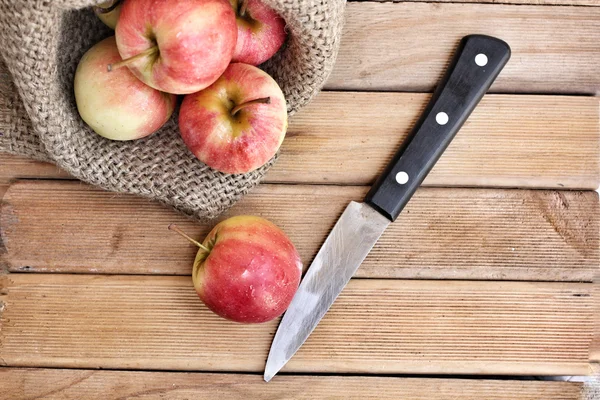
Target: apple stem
[
  {"x": 127, "y": 61},
  {"x": 262, "y": 100},
  {"x": 174, "y": 227},
  {"x": 243, "y": 6}
]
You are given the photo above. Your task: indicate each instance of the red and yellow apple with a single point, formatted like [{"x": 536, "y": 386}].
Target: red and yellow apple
[
  {"x": 116, "y": 104},
  {"x": 108, "y": 12},
  {"x": 176, "y": 46},
  {"x": 261, "y": 31},
  {"x": 238, "y": 123},
  {"x": 246, "y": 270}
]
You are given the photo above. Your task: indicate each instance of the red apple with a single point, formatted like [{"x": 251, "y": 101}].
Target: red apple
[
  {"x": 176, "y": 46},
  {"x": 108, "y": 12},
  {"x": 247, "y": 270},
  {"x": 238, "y": 123},
  {"x": 261, "y": 32},
  {"x": 116, "y": 104}
]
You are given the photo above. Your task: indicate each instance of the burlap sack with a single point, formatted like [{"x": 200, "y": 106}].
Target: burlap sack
[{"x": 42, "y": 41}]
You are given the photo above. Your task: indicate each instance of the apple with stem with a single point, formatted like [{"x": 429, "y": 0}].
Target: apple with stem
[
  {"x": 108, "y": 12},
  {"x": 238, "y": 123},
  {"x": 246, "y": 270},
  {"x": 116, "y": 104},
  {"x": 179, "y": 46},
  {"x": 261, "y": 31}
]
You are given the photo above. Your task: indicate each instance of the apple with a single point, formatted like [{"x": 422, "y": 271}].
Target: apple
[
  {"x": 176, "y": 46},
  {"x": 116, "y": 104},
  {"x": 238, "y": 123},
  {"x": 108, "y": 12},
  {"x": 261, "y": 31},
  {"x": 246, "y": 270}
]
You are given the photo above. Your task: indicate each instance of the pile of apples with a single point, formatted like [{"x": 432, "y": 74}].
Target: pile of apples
[{"x": 233, "y": 117}]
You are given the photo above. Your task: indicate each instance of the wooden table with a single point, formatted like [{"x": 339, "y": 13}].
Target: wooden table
[{"x": 487, "y": 273}]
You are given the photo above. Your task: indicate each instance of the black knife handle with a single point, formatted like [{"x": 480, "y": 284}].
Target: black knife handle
[{"x": 476, "y": 64}]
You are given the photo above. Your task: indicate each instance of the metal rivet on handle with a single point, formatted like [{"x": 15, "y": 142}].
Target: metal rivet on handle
[
  {"x": 441, "y": 118},
  {"x": 481, "y": 60},
  {"x": 402, "y": 177}
]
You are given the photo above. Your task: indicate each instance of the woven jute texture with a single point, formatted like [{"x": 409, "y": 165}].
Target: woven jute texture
[{"x": 41, "y": 42}]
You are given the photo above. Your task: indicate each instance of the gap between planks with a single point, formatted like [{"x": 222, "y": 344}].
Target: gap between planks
[
  {"x": 375, "y": 326},
  {"x": 68, "y": 384},
  {"x": 555, "y": 51},
  {"x": 443, "y": 233},
  {"x": 348, "y": 138}
]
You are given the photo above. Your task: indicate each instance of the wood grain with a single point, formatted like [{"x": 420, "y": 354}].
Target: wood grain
[
  {"x": 348, "y": 138},
  {"x": 443, "y": 233},
  {"x": 509, "y": 141},
  {"x": 595, "y": 347},
  {"x": 554, "y": 49},
  {"x": 13, "y": 167},
  {"x": 28, "y": 384},
  {"x": 375, "y": 326},
  {"x": 526, "y": 2}
]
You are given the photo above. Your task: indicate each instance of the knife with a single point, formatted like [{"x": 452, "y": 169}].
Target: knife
[{"x": 476, "y": 64}]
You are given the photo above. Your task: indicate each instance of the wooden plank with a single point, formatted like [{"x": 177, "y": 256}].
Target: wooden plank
[
  {"x": 22, "y": 384},
  {"x": 554, "y": 48},
  {"x": 443, "y": 233},
  {"x": 595, "y": 349},
  {"x": 375, "y": 326},
  {"x": 15, "y": 167},
  {"x": 348, "y": 138},
  {"x": 525, "y": 2},
  {"x": 509, "y": 141},
  {"x": 406, "y": 45}
]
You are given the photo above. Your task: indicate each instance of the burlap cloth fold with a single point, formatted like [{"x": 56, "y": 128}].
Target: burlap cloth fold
[{"x": 41, "y": 42}]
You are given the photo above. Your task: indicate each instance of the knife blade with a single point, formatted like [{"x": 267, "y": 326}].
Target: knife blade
[{"x": 476, "y": 64}]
